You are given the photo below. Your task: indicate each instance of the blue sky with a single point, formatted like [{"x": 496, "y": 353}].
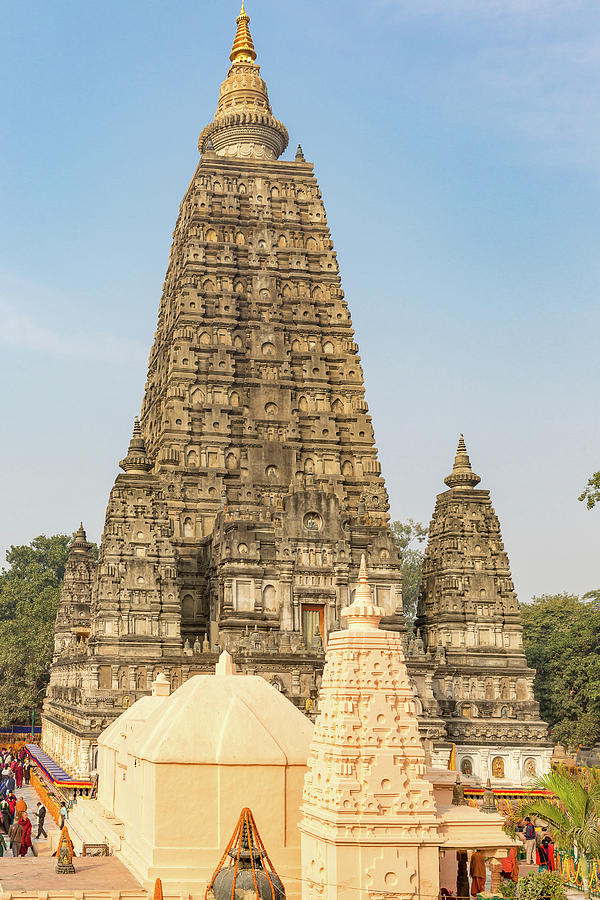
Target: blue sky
[{"x": 456, "y": 145}]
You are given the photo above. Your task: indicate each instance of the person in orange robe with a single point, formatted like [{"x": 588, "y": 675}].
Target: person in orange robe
[
  {"x": 478, "y": 872},
  {"x": 20, "y": 807},
  {"x": 510, "y": 866}
]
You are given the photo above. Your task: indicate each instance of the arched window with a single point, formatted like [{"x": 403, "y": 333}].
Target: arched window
[
  {"x": 187, "y": 607},
  {"x": 188, "y": 527},
  {"x": 498, "y": 767},
  {"x": 269, "y": 598},
  {"x": 466, "y": 766}
]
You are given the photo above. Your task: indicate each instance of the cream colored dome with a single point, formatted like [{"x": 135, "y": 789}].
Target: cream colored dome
[{"x": 226, "y": 720}]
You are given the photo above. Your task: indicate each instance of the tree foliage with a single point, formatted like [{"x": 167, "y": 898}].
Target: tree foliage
[
  {"x": 29, "y": 593},
  {"x": 537, "y": 886},
  {"x": 411, "y": 558},
  {"x": 591, "y": 494},
  {"x": 407, "y": 532},
  {"x": 561, "y": 636}
]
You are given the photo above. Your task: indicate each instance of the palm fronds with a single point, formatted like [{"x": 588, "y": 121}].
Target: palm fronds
[{"x": 574, "y": 818}]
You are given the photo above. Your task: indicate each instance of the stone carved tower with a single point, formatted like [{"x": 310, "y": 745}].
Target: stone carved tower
[
  {"x": 252, "y": 484},
  {"x": 73, "y": 617},
  {"x": 254, "y": 412},
  {"x": 470, "y": 621},
  {"x": 135, "y": 610},
  {"x": 369, "y": 826}
]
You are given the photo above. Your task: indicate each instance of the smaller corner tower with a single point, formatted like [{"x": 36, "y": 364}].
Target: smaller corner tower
[
  {"x": 72, "y": 628},
  {"x": 469, "y": 617}
]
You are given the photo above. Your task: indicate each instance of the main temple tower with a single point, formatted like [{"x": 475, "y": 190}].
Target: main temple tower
[{"x": 252, "y": 486}]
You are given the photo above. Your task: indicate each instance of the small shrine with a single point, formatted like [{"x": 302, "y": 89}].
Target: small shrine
[
  {"x": 376, "y": 822},
  {"x": 64, "y": 854},
  {"x": 176, "y": 768}
]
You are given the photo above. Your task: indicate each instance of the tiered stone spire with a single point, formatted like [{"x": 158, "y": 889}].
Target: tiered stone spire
[
  {"x": 369, "y": 823},
  {"x": 252, "y": 482},
  {"x": 136, "y": 461},
  {"x": 469, "y": 615},
  {"x": 74, "y": 609},
  {"x": 80, "y": 540},
  {"x": 244, "y": 125},
  {"x": 462, "y": 475}
]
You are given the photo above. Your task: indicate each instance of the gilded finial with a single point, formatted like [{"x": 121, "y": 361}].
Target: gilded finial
[{"x": 243, "y": 46}]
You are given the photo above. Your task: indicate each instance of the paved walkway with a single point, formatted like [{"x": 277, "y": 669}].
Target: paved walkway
[
  {"x": 45, "y": 846},
  {"x": 91, "y": 873}
]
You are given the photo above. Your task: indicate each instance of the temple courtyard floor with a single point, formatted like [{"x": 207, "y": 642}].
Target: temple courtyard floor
[{"x": 91, "y": 873}]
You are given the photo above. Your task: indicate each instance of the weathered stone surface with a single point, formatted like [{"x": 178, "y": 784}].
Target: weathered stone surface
[
  {"x": 252, "y": 484},
  {"x": 471, "y": 626}
]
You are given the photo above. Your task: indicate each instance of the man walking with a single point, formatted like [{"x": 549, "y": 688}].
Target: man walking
[
  {"x": 41, "y": 815},
  {"x": 530, "y": 841},
  {"x": 15, "y": 835}
]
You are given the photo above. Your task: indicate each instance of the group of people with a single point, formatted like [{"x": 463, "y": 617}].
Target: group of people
[
  {"x": 15, "y": 768},
  {"x": 15, "y": 823},
  {"x": 538, "y": 852}
]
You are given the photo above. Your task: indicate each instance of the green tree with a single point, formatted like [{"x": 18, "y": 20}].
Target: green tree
[
  {"x": 574, "y": 822},
  {"x": 29, "y": 592},
  {"x": 411, "y": 558},
  {"x": 405, "y": 533},
  {"x": 561, "y": 636},
  {"x": 591, "y": 494}
]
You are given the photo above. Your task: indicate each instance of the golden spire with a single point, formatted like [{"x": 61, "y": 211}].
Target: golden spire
[{"x": 243, "y": 48}]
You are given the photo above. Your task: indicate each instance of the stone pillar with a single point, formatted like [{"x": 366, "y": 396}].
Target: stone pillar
[
  {"x": 494, "y": 865},
  {"x": 297, "y": 616},
  {"x": 258, "y": 601},
  {"x": 341, "y": 590},
  {"x": 286, "y": 619}
]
